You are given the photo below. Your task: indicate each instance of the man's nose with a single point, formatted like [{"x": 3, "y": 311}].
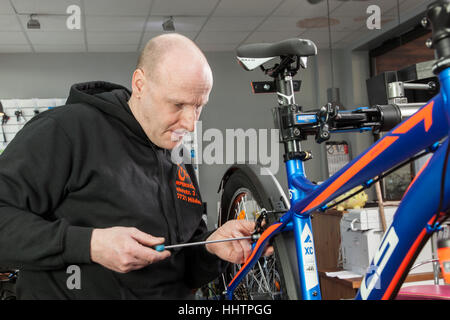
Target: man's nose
[{"x": 188, "y": 118}]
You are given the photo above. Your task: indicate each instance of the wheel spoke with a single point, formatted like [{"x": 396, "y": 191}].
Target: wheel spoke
[{"x": 263, "y": 279}]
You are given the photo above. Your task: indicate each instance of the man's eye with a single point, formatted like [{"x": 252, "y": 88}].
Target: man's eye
[{"x": 179, "y": 105}]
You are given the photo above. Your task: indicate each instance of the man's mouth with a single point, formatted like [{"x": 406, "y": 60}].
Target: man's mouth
[{"x": 177, "y": 135}]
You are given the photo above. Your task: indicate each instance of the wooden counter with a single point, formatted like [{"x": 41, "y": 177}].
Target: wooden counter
[{"x": 335, "y": 289}]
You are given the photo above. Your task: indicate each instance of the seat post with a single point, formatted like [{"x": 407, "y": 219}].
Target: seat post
[
  {"x": 285, "y": 96},
  {"x": 285, "y": 88}
]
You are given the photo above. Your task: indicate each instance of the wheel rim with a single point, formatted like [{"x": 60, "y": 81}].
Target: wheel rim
[{"x": 263, "y": 281}]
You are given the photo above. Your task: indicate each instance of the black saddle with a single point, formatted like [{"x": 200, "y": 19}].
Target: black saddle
[{"x": 288, "y": 47}]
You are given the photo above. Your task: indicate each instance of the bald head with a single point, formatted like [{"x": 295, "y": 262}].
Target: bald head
[
  {"x": 168, "y": 50},
  {"x": 170, "y": 86}
]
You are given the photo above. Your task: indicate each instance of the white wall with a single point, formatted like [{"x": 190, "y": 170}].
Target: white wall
[{"x": 45, "y": 75}]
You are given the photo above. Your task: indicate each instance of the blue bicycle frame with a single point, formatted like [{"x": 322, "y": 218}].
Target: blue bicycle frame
[{"x": 428, "y": 129}]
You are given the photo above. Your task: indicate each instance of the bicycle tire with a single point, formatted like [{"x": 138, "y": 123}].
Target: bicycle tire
[{"x": 238, "y": 183}]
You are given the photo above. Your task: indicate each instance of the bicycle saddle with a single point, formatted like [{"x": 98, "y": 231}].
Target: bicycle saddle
[{"x": 253, "y": 55}]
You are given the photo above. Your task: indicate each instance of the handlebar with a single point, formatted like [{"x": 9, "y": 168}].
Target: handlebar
[
  {"x": 294, "y": 124},
  {"x": 437, "y": 19}
]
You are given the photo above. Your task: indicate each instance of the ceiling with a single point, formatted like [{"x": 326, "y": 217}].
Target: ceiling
[{"x": 215, "y": 25}]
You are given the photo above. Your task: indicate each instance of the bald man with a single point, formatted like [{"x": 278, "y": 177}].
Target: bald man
[{"x": 87, "y": 189}]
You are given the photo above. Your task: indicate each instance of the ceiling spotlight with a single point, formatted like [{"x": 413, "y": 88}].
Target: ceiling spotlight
[
  {"x": 168, "y": 25},
  {"x": 33, "y": 23}
]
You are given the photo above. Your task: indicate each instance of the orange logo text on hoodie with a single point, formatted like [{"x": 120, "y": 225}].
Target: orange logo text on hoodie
[{"x": 185, "y": 188}]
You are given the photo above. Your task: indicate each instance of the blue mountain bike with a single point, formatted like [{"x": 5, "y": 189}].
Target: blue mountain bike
[{"x": 246, "y": 194}]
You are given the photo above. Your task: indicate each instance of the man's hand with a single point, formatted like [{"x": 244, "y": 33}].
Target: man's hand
[
  {"x": 125, "y": 249},
  {"x": 234, "y": 251}
]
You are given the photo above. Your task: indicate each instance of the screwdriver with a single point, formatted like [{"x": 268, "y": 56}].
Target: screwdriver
[{"x": 162, "y": 247}]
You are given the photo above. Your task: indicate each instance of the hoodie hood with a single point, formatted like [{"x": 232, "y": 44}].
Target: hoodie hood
[{"x": 109, "y": 98}]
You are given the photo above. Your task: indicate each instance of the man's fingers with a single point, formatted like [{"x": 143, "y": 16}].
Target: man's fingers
[
  {"x": 145, "y": 238},
  {"x": 237, "y": 248},
  {"x": 143, "y": 250},
  {"x": 147, "y": 255},
  {"x": 124, "y": 249},
  {"x": 242, "y": 246},
  {"x": 268, "y": 251},
  {"x": 246, "y": 226}
]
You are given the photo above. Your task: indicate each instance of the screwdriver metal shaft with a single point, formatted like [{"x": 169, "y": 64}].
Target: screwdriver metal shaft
[{"x": 162, "y": 247}]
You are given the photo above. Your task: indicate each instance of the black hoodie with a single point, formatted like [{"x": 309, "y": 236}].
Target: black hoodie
[{"x": 89, "y": 165}]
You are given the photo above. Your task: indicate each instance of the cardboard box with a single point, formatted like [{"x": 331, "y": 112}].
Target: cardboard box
[{"x": 361, "y": 234}]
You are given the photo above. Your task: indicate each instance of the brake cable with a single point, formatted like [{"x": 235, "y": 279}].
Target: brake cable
[{"x": 436, "y": 225}]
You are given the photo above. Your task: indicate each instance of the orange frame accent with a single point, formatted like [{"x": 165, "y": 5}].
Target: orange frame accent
[{"x": 353, "y": 170}]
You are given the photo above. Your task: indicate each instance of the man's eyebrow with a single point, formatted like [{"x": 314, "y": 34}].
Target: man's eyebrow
[
  {"x": 174, "y": 100},
  {"x": 180, "y": 101}
]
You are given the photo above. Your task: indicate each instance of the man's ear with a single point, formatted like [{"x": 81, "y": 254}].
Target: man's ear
[{"x": 138, "y": 82}]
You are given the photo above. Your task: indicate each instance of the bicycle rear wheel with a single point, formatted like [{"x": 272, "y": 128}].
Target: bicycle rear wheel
[{"x": 244, "y": 198}]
